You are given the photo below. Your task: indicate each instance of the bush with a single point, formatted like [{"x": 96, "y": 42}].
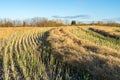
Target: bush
[{"x": 73, "y": 23}]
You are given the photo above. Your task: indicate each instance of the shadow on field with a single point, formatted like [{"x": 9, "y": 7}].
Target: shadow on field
[
  {"x": 1, "y": 67},
  {"x": 55, "y": 66},
  {"x": 106, "y": 34},
  {"x": 77, "y": 62}
]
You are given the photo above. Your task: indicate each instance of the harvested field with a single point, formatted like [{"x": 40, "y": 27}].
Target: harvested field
[{"x": 58, "y": 53}]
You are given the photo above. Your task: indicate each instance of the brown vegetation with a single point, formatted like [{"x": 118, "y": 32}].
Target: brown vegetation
[
  {"x": 57, "y": 53},
  {"x": 44, "y": 22},
  {"x": 100, "y": 62},
  {"x": 7, "y": 31},
  {"x": 34, "y": 22}
]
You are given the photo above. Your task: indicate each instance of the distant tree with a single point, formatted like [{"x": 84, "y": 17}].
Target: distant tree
[
  {"x": 79, "y": 23},
  {"x": 24, "y": 24},
  {"x": 112, "y": 23},
  {"x": 100, "y": 23},
  {"x": 66, "y": 22},
  {"x": 8, "y": 24},
  {"x": 38, "y": 22},
  {"x": 73, "y": 22}
]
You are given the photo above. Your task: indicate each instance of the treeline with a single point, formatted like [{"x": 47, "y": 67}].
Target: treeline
[
  {"x": 100, "y": 23},
  {"x": 43, "y": 22},
  {"x": 34, "y": 22}
]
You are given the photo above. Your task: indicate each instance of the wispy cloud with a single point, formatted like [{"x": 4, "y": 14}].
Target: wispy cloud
[{"x": 73, "y": 17}]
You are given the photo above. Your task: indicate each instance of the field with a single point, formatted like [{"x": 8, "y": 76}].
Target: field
[{"x": 60, "y": 53}]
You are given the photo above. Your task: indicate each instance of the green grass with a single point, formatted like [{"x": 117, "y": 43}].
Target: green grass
[{"x": 97, "y": 38}]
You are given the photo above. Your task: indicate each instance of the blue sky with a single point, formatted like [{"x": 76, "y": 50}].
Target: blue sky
[{"x": 94, "y": 10}]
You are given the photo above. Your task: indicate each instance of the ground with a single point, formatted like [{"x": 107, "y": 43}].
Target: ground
[{"x": 60, "y": 53}]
